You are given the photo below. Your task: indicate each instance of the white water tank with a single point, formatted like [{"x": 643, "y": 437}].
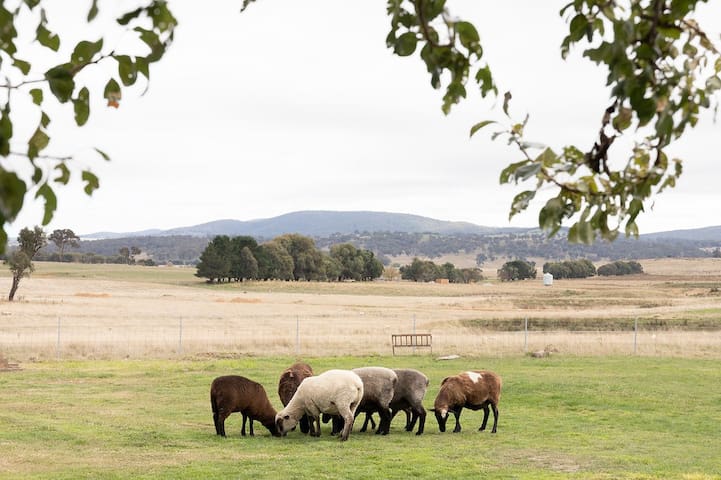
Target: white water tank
[{"x": 547, "y": 279}]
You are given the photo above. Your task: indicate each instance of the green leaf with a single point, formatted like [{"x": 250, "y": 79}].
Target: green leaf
[
  {"x": 13, "y": 193},
  {"x": 547, "y": 158},
  {"x": 485, "y": 80},
  {"x": 125, "y": 19},
  {"x": 51, "y": 202},
  {"x": 579, "y": 25},
  {"x": 82, "y": 107},
  {"x": 22, "y": 65},
  {"x": 112, "y": 92},
  {"x": 623, "y": 119},
  {"x": 91, "y": 182},
  {"x": 480, "y": 125},
  {"x": 64, "y": 176},
  {"x": 37, "y": 95},
  {"x": 506, "y": 99},
  {"x": 521, "y": 202},
  {"x": 6, "y": 131},
  {"x": 406, "y": 44},
  {"x": 37, "y": 143},
  {"x": 527, "y": 171},
  {"x": 103, "y": 154},
  {"x": 85, "y": 51},
  {"x": 61, "y": 82},
  {"x": 93, "y": 12},
  {"x": 44, "y": 120},
  {"x": 126, "y": 69},
  {"x": 141, "y": 64},
  {"x": 713, "y": 84},
  {"x": 47, "y": 39},
  {"x": 468, "y": 36},
  {"x": 664, "y": 125}
]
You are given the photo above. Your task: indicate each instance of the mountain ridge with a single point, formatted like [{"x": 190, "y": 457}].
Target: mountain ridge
[{"x": 323, "y": 223}]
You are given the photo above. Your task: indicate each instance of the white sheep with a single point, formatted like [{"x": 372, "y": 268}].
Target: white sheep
[{"x": 335, "y": 392}]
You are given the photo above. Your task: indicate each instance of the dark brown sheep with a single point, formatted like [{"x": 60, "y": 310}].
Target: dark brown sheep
[
  {"x": 233, "y": 393},
  {"x": 288, "y": 384},
  {"x": 476, "y": 390}
]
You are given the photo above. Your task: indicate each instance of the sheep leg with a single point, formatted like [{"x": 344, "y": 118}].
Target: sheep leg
[
  {"x": 312, "y": 423},
  {"x": 304, "y": 424},
  {"x": 242, "y": 430},
  {"x": 457, "y": 414},
  {"x": 495, "y": 417},
  {"x": 485, "y": 417},
  {"x": 420, "y": 415},
  {"x": 369, "y": 418},
  {"x": 220, "y": 423},
  {"x": 411, "y": 418},
  {"x": 347, "y": 426},
  {"x": 384, "y": 426},
  {"x": 250, "y": 419}
]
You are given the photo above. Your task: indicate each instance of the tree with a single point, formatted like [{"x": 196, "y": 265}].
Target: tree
[
  {"x": 214, "y": 263},
  {"x": 307, "y": 260},
  {"x": 517, "y": 270},
  {"x": 663, "y": 71},
  {"x": 152, "y": 25},
  {"x": 63, "y": 238},
  {"x": 124, "y": 254},
  {"x": 21, "y": 260},
  {"x": 274, "y": 262},
  {"x": 248, "y": 265}
]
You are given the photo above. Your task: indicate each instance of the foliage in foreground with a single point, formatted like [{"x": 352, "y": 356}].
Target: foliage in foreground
[{"x": 597, "y": 418}]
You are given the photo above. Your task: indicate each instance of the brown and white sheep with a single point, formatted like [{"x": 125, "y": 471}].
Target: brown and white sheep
[
  {"x": 335, "y": 392},
  {"x": 233, "y": 393},
  {"x": 475, "y": 390},
  {"x": 288, "y": 384}
]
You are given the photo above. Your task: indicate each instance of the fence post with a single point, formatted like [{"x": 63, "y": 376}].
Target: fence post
[
  {"x": 525, "y": 336},
  {"x": 635, "y": 334},
  {"x": 180, "y": 336},
  {"x": 297, "y": 335},
  {"x": 57, "y": 345},
  {"x": 414, "y": 332}
]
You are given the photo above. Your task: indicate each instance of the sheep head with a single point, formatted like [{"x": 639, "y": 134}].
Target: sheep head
[
  {"x": 441, "y": 417},
  {"x": 284, "y": 423}
]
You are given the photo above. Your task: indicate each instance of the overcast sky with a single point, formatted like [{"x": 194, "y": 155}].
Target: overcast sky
[{"x": 298, "y": 105}]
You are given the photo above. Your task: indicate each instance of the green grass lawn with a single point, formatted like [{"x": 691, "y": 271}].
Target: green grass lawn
[{"x": 560, "y": 417}]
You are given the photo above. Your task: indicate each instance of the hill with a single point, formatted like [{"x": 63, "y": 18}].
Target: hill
[
  {"x": 394, "y": 237},
  {"x": 319, "y": 223}
]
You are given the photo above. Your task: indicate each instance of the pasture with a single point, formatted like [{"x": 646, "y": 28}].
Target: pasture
[
  {"x": 560, "y": 418},
  {"x": 72, "y": 311},
  {"x": 116, "y": 364}
]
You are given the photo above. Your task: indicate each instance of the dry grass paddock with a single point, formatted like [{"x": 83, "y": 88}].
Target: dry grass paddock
[{"x": 112, "y": 311}]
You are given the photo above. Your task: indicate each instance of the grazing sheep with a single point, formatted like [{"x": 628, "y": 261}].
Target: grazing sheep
[
  {"x": 288, "y": 384},
  {"x": 378, "y": 388},
  {"x": 408, "y": 397},
  {"x": 233, "y": 393},
  {"x": 475, "y": 390},
  {"x": 335, "y": 392}
]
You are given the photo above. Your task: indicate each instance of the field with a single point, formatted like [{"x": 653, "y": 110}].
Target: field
[
  {"x": 560, "y": 418},
  {"x": 115, "y": 364},
  {"x": 70, "y": 311}
]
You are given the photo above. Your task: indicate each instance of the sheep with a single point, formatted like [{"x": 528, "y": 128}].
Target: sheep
[
  {"x": 379, "y": 385},
  {"x": 233, "y": 393},
  {"x": 288, "y": 384},
  {"x": 378, "y": 388},
  {"x": 473, "y": 389},
  {"x": 408, "y": 397},
  {"x": 335, "y": 392}
]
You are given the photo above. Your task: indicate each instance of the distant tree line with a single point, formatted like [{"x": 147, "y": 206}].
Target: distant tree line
[
  {"x": 582, "y": 268},
  {"x": 287, "y": 257},
  {"x": 427, "y": 271},
  {"x": 516, "y": 270},
  {"x": 620, "y": 268}
]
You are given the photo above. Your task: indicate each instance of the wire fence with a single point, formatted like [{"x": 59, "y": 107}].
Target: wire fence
[{"x": 306, "y": 337}]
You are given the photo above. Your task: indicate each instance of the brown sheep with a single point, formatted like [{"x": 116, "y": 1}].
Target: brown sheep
[
  {"x": 288, "y": 384},
  {"x": 475, "y": 390},
  {"x": 233, "y": 393}
]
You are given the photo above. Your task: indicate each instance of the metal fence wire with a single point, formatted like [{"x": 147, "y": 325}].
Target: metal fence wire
[{"x": 298, "y": 336}]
